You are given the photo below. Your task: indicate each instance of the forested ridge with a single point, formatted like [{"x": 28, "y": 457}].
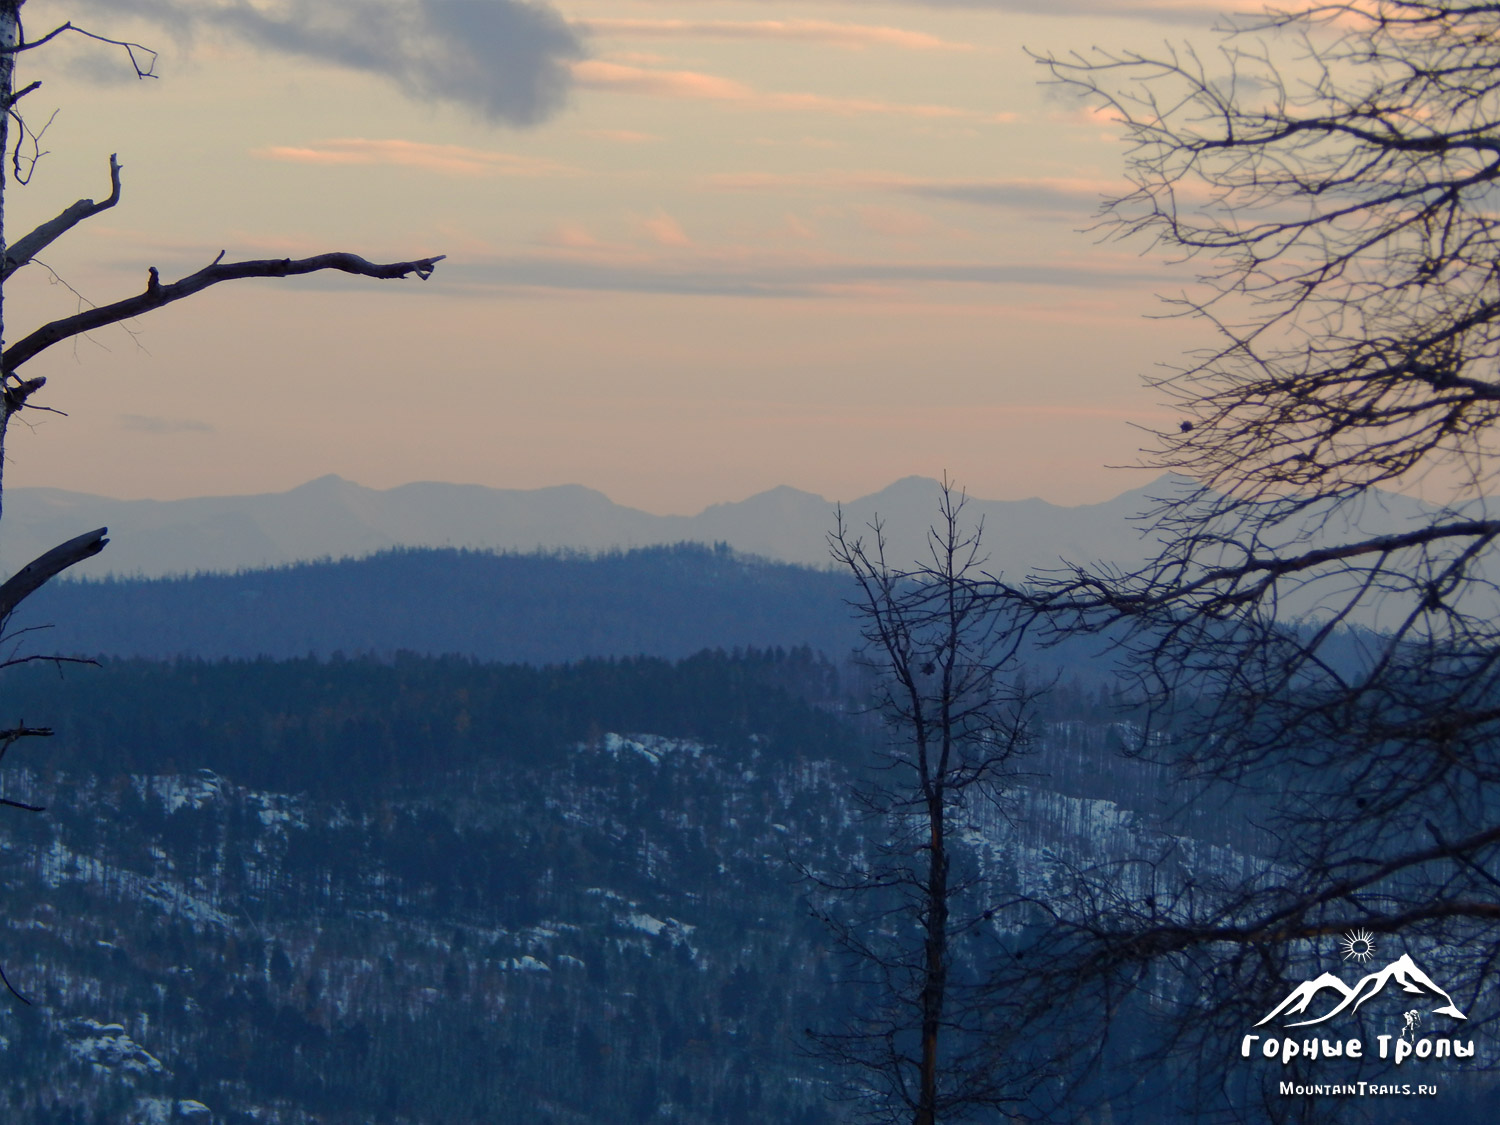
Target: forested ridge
[
  {"x": 439, "y": 890},
  {"x": 363, "y": 728},
  {"x": 538, "y": 608},
  {"x": 421, "y": 890}
]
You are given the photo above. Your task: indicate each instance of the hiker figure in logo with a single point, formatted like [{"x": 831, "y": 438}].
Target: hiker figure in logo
[{"x": 1413, "y": 1021}]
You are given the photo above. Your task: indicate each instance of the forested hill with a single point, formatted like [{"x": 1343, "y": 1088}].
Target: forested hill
[
  {"x": 419, "y": 892},
  {"x": 536, "y": 608},
  {"x": 432, "y": 891},
  {"x": 365, "y": 727}
]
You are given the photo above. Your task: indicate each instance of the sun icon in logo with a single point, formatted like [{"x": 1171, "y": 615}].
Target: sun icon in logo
[{"x": 1358, "y": 945}]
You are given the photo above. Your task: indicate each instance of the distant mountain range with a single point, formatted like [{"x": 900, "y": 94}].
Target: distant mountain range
[
  {"x": 332, "y": 518},
  {"x": 457, "y": 568}
]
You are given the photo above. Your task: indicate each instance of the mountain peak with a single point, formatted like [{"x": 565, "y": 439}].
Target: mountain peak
[
  {"x": 1301, "y": 997},
  {"x": 328, "y": 482}
]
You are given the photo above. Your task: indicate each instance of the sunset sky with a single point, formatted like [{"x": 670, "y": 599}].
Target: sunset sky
[{"x": 696, "y": 248}]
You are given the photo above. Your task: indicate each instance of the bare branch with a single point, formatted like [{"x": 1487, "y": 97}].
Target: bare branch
[
  {"x": 147, "y": 71},
  {"x": 24, "y": 249},
  {"x": 44, "y": 568},
  {"x": 156, "y": 294},
  {"x": 5, "y": 980},
  {"x": 1320, "y": 659}
]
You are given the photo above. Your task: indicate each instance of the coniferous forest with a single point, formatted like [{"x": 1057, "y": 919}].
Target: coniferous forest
[
  {"x": 412, "y": 888},
  {"x": 438, "y": 890}
]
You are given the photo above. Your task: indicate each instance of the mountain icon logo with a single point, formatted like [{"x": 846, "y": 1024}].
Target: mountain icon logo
[{"x": 1402, "y": 972}]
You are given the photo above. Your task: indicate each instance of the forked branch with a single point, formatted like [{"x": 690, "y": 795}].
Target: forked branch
[
  {"x": 24, "y": 249},
  {"x": 146, "y": 71}
]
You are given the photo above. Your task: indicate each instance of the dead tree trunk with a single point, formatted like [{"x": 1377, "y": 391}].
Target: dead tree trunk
[
  {"x": 934, "y": 985},
  {"x": 10, "y": 39}
]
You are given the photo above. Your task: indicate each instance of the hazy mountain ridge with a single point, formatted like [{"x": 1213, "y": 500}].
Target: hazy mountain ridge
[
  {"x": 541, "y": 608},
  {"x": 334, "y": 518},
  {"x": 580, "y": 597}
]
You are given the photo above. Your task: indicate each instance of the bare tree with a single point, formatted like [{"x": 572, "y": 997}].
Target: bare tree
[
  {"x": 956, "y": 715},
  {"x": 1322, "y": 652},
  {"x": 16, "y": 391}
]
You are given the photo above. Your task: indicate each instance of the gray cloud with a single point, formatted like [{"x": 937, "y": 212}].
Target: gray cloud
[
  {"x": 505, "y": 59},
  {"x": 1042, "y": 198},
  {"x": 151, "y": 424},
  {"x": 789, "y": 280}
]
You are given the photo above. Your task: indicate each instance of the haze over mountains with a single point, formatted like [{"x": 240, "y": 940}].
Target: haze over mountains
[
  {"x": 441, "y": 568},
  {"x": 335, "y": 518}
]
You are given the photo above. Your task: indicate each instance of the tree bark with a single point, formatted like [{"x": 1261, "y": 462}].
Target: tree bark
[
  {"x": 935, "y": 983},
  {"x": 44, "y": 568},
  {"x": 10, "y": 37}
]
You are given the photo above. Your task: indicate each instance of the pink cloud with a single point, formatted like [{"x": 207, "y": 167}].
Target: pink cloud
[
  {"x": 861, "y": 106},
  {"x": 600, "y": 75},
  {"x": 622, "y": 136},
  {"x": 1155, "y": 11},
  {"x": 797, "y": 228},
  {"x": 693, "y": 85},
  {"x": 666, "y": 230},
  {"x": 572, "y": 236},
  {"x": 637, "y": 58},
  {"x": 450, "y": 160},
  {"x": 848, "y": 35}
]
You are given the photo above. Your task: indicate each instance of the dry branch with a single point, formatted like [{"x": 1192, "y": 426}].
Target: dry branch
[
  {"x": 24, "y": 249},
  {"x": 1321, "y": 672},
  {"x": 41, "y": 570},
  {"x": 156, "y": 294}
]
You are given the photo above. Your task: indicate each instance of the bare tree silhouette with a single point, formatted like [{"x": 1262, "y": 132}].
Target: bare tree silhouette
[
  {"x": 955, "y": 711},
  {"x": 16, "y": 392},
  {"x": 1319, "y": 656}
]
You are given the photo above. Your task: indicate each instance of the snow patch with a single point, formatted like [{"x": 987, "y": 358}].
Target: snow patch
[
  {"x": 107, "y": 1047},
  {"x": 177, "y": 791},
  {"x": 652, "y": 926},
  {"x": 676, "y": 931},
  {"x": 158, "y": 1111},
  {"x": 528, "y": 964},
  {"x": 61, "y": 865},
  {"x": 277, "y": 810},
  {"x": 652, "y": 747}
]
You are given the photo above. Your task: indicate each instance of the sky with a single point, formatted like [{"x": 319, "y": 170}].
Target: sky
[{"x": 696, "y": 249}]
